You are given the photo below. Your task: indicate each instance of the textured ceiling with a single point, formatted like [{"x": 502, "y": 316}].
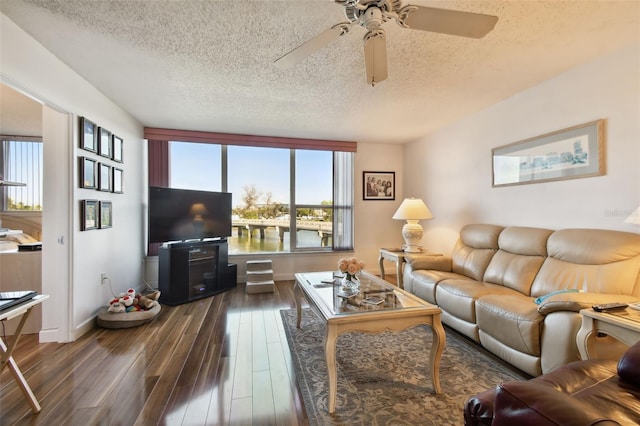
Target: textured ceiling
[{"x": 208, "y": 65}]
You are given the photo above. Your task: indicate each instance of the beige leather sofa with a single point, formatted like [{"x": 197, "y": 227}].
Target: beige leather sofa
[{"x": 488, "y": 288}]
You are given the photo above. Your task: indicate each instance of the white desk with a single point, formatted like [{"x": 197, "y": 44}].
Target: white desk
[{"x": 6, "y": 349}]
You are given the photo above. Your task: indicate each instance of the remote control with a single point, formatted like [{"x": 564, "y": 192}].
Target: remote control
[
  {"x": 603, "y": 307},
  {"x": 635, "y": 306}
]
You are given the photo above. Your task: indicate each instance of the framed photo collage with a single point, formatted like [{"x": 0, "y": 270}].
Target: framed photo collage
[{"x": 101, "y": 169}]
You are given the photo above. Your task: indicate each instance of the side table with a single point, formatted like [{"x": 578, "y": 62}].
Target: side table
[
  {"x": 620, "y": 325},
  {"x": 6, "y": 359},
  {"x": 398, "y": 257}
]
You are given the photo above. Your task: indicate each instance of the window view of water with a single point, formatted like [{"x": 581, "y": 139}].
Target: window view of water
[{"x": 271, "y": 242}]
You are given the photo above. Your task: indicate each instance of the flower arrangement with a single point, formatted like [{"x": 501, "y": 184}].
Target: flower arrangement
[{"x": 350, "y": 266}]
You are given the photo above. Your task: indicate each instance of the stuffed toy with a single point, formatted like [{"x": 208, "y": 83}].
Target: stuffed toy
[
  {"x": 152, "y": 294},
  {"x": 126, "y": 300},
  {"x": 116, "y": 307},
  {"x": 145, "y": 302},
  {"x": 133, "y": 302}
]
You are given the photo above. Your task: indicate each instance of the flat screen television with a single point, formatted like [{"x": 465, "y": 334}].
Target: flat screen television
[{"x": 183, "y": 214}]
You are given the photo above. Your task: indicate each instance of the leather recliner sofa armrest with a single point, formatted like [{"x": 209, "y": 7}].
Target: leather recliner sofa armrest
[
  {"x": 629, "y": 365},
  {"x": 478, "y": 410},
  {"x": 536, "y": 404},
  {"x": 438, "y": 263},
  {"x": 576, "y": 301}
]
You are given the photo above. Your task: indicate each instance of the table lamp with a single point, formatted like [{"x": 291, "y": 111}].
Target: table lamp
[{"x": 412, "y": 210}]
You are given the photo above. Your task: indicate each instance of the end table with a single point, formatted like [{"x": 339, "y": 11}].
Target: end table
[
  {"x": 623, "y": 326},
  {"x": 392, "y": 255}
]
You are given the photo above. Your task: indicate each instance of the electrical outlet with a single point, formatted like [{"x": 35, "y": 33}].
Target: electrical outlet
[{"x": 103, "y": 278}]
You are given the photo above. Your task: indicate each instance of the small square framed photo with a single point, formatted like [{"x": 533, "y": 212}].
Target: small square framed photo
[
  {"x": 88, "y": 135},
  {"x": 104, "y": 177},
  {"x": 104, "y": 137},
  {"x": 116, "y": 154},
  {"x": 118, "y": 176},
  {"x": 88, "y": 215},
  {"x": 106, "y": 214},
  {"x": 87, "y": 173},
  {"x": 379, "y": 185}
]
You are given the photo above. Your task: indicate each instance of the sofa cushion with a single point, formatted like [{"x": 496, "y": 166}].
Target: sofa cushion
[
  {"x": 593, "y": 246},
  {"x": 596, "y": 383},
  {"x": 593, "y": 260},
  {"x": 458, "y": 296},
  {"x": 425, "y": 281},
  {"x": 525, "y": 241},
  {"x": 534, "y": 404},
  {"x": 521, "y": 252},
  {"x": 513, "y": 270},
  {"x": 511, "y": 319},
  {"x": 612, "y": 278},
  {"x": 474, "y": 250},
  {"x": 420, "y": 261}
]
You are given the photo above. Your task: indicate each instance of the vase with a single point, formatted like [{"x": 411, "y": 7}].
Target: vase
[{"x": 350, "y": 283}]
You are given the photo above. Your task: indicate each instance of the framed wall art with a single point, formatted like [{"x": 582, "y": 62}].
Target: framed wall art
[
  {"x": 116, "y": 154},
  {"x": 87, "y": 173},
  {"x": 88, "y": 135},
  {"x": 104, "y": 137},
  {"x": 575, "y": 152},
  {"x": 118, "y": 175},
  {"x": 106, "y": 214},
  {"x": 104, "y": 177},
  {"x": 88, "y": 215},
  {"x": 379, "y": 185}
]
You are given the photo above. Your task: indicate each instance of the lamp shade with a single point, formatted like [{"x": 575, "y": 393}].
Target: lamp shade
[{"x": 413, "y": 209}]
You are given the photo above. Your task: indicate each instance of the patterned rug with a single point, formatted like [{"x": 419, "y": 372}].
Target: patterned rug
[{"x": 384, "y": 379}]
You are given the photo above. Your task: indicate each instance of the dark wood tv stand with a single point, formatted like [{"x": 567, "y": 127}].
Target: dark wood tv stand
[{"x": 193, "y": 270}]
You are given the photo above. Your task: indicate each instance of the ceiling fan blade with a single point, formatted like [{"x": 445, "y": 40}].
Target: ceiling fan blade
[
  {"x": 452, "y": 22},
  {"x": 375, "y": 56},
  {"x": 312, "y": 45}
]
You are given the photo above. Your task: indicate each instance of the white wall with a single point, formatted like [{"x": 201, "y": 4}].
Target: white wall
[
  {"x": 451, "y": 169},
  {"x": 118, "y": 251}
]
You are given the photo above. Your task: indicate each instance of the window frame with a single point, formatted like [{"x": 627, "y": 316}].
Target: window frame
[
  {"x": 4, "y": 190},
  {"x": 292, "y": 205},
  {"x": 343, "y": 165}
]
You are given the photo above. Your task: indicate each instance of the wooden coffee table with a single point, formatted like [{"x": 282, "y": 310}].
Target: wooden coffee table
[{"x": 399, "y": 311}]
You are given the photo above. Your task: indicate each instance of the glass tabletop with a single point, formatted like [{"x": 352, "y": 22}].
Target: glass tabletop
[{"x": 374, "y": 294}]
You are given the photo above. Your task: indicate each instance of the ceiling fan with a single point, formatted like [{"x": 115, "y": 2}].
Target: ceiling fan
[{"x": 371, "y": 14}]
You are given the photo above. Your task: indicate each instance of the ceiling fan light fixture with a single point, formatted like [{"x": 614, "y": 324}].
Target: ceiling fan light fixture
[{"x": 372, "y": 18}]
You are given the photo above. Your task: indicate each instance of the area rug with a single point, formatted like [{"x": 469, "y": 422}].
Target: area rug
[{"x": 384, "y": 379}]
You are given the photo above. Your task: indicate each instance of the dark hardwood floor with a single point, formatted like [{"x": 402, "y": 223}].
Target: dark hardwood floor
[{"x": 216, "y": 361}]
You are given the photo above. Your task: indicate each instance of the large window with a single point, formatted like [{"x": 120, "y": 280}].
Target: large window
[
  {"x": 195, "y": 166},
  {"x": 283, "y": 199},
  {"x": 21, "y": 162}
]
